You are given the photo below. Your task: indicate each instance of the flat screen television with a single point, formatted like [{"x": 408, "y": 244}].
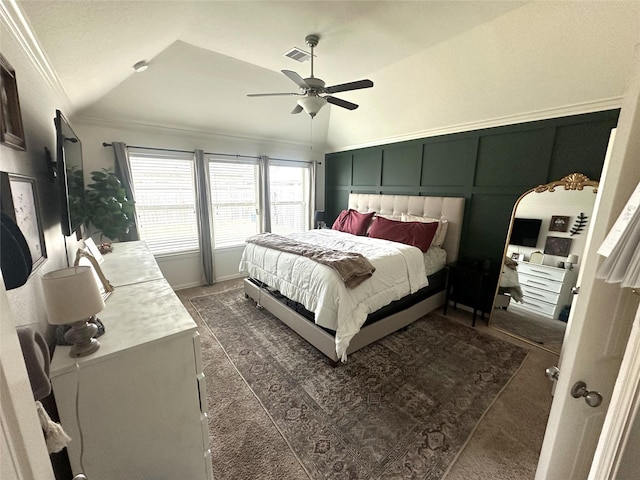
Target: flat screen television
[
  {"x": 525, "y": 232},
  {"x": 69, "y": 169}
]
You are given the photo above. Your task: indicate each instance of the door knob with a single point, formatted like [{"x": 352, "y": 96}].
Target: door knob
[
  {"x": 592, "y": 398},
  {"x": 575, "y": 290},
  {"x": 552, "y": 373}
]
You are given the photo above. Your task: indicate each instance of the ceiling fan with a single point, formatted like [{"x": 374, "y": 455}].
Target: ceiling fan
[{"x": 313, "y": 93}]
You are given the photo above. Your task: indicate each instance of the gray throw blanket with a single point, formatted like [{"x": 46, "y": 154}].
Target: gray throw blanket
[{"x": 353, "y": 268}]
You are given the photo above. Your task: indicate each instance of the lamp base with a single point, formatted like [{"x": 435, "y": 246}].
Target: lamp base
[{"x": 80, "y": 335}]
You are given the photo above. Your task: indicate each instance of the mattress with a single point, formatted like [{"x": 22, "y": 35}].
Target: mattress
[{"x": 400, "y": 271}]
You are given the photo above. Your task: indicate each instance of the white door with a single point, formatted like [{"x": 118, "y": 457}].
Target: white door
[
  {"x": 23, "y": 452},
  {"x": 601, "y": 316}
]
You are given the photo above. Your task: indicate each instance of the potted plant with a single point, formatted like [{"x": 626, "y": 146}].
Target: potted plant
[{"x": 107, "y": 206}]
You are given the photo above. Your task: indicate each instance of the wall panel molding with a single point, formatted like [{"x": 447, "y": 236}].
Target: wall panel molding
[{"x": 490, "y": 168}]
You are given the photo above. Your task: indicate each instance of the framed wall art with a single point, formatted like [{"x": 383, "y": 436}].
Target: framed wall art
[
  {"x": 558, "y": 224},
  {"x": 19, "y": 200},
  {"x": 559, "y": 246},
  {"x": 12, "y": 132}
]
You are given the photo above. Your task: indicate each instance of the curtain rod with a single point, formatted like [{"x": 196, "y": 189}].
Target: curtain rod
[
  {"x": 231, "y": 155},
  {"x": 105, "y": 144}
]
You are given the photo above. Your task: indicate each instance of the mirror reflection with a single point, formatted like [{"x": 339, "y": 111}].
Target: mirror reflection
[{"x": 545, "y": 242}]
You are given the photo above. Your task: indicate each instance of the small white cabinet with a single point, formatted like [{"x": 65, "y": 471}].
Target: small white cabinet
[
  {"x": 141, "y": 398},
  {"x": 545, "y": 289}
]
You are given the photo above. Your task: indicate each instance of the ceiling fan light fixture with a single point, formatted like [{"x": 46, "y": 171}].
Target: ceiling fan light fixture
[
  {"x": 312, "y": 104},
  {"x": 141, "y": 66}
]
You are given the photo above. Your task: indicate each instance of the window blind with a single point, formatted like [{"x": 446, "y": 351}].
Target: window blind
[
  {"x": 164, "y": 186},
  {"x": 234, "y": 201},
  {"x": 290, "y": 196}
]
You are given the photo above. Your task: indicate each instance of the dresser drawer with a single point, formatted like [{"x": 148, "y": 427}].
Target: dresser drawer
[
  {"x": 542, "y": 271},
  {"x": 538, "y": 307},
  {"x": 540, "y": 295},
  {"x": 541, "y": 283}
]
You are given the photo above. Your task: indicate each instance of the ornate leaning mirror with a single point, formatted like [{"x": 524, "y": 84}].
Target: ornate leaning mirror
[{"x": 545, "y": 242}]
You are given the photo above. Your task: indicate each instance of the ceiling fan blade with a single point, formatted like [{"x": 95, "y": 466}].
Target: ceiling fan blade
[
  {"x": 341, "y": 103},
  {"x": 297, "y": 109},
  {"x": 272, "y": 94},
  {"x": 297, "y": 79},
  {"x": 343, "y": 87}
]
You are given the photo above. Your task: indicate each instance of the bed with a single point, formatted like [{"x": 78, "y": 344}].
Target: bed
[{"x": 335, "y": 319}]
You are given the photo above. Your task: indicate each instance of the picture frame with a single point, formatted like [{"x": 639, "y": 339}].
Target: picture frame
[
  {"x": 559, "y": 223},
  {"x": 518, "y": 257},
  {"x": 19, "y": 200},
  {"x": 12, "y": 130},
  {"x": 558, "y": 246}
]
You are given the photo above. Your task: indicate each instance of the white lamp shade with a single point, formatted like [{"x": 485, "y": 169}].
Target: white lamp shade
[
  {"x": 71, "y": 295},
  {"x": 572, "y": 259},
  {"x": 312, "y": 104}
]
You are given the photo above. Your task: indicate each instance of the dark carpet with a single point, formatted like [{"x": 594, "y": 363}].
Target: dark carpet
[{"x": 401, "y": 408}]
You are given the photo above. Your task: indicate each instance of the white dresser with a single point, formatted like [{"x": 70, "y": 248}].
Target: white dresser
[
  {"x": 142, "y": 398},
  {"x": 546, "y": 290}
]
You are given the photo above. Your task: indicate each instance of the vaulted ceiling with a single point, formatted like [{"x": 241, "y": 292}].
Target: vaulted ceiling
[{"x": 205, "y": 56}]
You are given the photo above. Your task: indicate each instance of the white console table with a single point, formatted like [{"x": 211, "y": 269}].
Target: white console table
[
  {"x": 545, "y": 289},
  {"x": 142, "y": 398}
]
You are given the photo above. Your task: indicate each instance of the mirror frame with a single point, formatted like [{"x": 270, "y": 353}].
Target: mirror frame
[{"x": 575, "y": 181}]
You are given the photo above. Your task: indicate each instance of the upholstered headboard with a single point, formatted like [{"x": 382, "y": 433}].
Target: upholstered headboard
[{"x": 449, "y": 208}]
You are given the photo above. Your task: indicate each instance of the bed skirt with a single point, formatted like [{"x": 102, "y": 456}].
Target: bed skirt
[{"x": 381, "y": 323}]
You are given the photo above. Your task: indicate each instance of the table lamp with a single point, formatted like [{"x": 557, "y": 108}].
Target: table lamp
[
  {"x": 72, "y": 297},
  {"x": 571, "y": 261},
  {"x": 319, "y": 219}
]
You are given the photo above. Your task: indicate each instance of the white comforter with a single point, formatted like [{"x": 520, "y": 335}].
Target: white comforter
[{"x": 399, "y": 272}]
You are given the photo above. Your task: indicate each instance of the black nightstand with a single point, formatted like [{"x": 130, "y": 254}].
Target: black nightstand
[{"x": 467, "y": 284}]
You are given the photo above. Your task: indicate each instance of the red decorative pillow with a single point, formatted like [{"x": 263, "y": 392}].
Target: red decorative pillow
[
  {"x": 352, "y": 221},
  {"x": 417, "y": 234}
]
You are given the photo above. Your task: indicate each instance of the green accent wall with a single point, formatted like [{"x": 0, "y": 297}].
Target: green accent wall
[{"x": 490, "y": 168}]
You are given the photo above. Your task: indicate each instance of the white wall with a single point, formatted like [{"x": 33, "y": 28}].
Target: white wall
[
  {"x": 543, "y": 60},
  {"x": 186, "y": 270},
  {"x": 38, "y": 103},
  {"x": 23, "y": 448}
]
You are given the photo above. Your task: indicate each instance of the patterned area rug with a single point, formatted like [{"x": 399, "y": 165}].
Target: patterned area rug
[{"x": 400, "y": 408}]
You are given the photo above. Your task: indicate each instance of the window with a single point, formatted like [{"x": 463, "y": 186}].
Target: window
[
  {"x": 290, "y": 197},
  {"x": 234, "y": 201},
  {"x": 167, "y": 208},
  {"x": 164, "y": 187}
]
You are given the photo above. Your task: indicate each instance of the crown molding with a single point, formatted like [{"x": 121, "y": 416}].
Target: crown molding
[
  {"x": 545, "y": 114},
  {"x": 20, "y": 29},
  {"x": 174, "y": 129}
]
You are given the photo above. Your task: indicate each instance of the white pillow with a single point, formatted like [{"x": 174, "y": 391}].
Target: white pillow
[
  {"x": 441, "y": 232},
  {"x": 390, "y": 217}
]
